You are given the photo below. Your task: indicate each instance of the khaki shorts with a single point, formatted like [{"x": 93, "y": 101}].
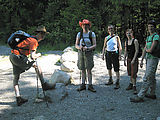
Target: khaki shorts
[
  {"x": 85, "y": 60},
  {"x": 20, "y": 63}
]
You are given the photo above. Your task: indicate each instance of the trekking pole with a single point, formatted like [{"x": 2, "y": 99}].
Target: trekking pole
[
  {"x": 41, "y": 85},
  {"x": 37, "y": 87}
]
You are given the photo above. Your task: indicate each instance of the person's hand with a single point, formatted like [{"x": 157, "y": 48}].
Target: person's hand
[
  {"x": 80, "y": 47},
  {"x": 120, "y": 57},
  {"x": 141, "y": 64},
  {"x": 38, "y": 55},
  {"x": 34, "y": 65},
  {"x": 85, "y": 48},
  {"x": 125, "y": 62},
  {"x": 148, "y": 50},
  {"x": 102, "y": 57},
  {"x": 133, "y": 61}
]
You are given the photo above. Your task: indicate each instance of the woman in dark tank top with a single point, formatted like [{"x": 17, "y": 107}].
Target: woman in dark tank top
[{"x": 131, "y": 52}]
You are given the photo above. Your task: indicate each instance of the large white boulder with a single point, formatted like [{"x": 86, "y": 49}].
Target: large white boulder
[
  {"x": 60, "y": 76},
  {"x": 70, "y": 56},
  {"x": 69, "y": 60},
  {"x": 68, "y": 49}
]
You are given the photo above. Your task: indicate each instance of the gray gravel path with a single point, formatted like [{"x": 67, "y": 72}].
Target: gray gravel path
[{"x": 105, "y": 104}]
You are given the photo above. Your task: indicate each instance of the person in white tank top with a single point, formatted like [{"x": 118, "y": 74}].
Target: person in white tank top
[{"x": 112, "y": 50}]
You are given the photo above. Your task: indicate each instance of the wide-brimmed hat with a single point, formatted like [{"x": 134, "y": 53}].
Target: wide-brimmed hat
[
  {"x": 41, "y": 29},
  {"x": 84, "y": 22}
]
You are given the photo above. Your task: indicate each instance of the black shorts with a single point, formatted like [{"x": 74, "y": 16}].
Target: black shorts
[{"x": 112, "y": 58}]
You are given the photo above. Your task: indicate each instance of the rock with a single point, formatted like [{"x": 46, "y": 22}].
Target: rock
[
  {"x": 39, "y": 118},
  {"x": 68, "y": 49},
  {"x": 59, "y": 93},
  {"x": 60, "y": 77},
  {"x": 69, "y": 61},
  {"x": 70, "y": 56},
  {"x": 68, "y": 66},
  {"x": 54, "y": 96}
]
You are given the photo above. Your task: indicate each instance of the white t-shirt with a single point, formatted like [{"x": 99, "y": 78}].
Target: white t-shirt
[{"x": 86, "y": 38}]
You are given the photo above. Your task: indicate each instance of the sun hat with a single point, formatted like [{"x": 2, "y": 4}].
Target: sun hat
[
  {"x": 41, "y": 29},
  {"x": 85, "y": 21}
]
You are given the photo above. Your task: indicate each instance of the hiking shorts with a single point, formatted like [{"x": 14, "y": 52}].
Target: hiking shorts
[
  {"x": 132, "y": 69},
  {"x": 20, "y": 63},
  {"x": 112, "y": 58},
  {"x": 85, "y": 60}
]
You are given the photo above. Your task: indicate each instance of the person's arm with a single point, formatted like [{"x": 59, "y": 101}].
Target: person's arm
[
  {"x": 119, "y": 45},
  {"x": 35, "y": 55},
  {"x": 143, "y": 55},
  {"x": 154, "y": 44},
  {"x": 136, "y": 50},
  {"x": 77, "y": 44},
  {"x": 125, "y": 53},
  {"x": 104, "y": 47}
]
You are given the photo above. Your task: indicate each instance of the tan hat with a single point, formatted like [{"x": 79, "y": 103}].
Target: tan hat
[{"x": 42, "y": 29}]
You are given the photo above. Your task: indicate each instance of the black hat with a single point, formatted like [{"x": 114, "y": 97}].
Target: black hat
[{"x": 152, "y": 22}]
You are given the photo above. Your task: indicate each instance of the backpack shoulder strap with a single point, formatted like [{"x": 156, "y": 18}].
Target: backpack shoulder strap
[
  {"x": 81, "y": 34},
  {"x": 90, "y": 37}
]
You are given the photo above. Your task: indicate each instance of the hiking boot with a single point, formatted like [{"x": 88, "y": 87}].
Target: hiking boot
[
  {"x": 47, "y": 86},
  {"x": 90, "y": 88},
  {"x": 134, "y": 90},
  {"x": 130, "y": 87},
  {"x": 110, "y": 82},
  {"x": 117, "y": 85},
  {"x": 20, "y": 101},
  {"x": 136, "y": 99},
  {"x": 151, "y": 96},
  {"x": 82, "y": 87}
]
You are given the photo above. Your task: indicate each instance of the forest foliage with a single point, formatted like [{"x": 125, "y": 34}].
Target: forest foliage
[{"x": 61, "y": 18}]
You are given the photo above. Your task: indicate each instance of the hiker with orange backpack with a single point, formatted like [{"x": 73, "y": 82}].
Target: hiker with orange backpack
[
  {"x": 85, "y": 43},
  {"x": 21, "y": 63}
]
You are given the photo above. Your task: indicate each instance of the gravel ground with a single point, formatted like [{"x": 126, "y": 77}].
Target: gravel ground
[{"x": 105, "y": 104}]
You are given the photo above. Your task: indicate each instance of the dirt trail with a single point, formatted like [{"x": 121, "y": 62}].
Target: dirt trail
[{"x": 105, "y": 104}]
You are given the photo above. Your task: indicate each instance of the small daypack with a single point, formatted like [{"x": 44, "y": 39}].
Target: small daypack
[
  {"x": 139, "y": 51},
  {"x": 16, "y": 38},
  {"x": 156, "y": 51},
  {"x": 90, "y": 37}
]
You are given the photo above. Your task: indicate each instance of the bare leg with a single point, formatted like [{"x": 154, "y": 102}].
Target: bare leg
[
  {"x": 89, "y": 77},
  {"x": 110, "y": 81},
  {"x": 90, "y": 87},
  {"x": 110, "y": 73},
  {"x": 39, "y": 74},
  {"x": 118, "y": 76},
  {"x": 45, "y": 85},
  {"x": 83, "y": 76},
  {"x": 16, "y": 86}
]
